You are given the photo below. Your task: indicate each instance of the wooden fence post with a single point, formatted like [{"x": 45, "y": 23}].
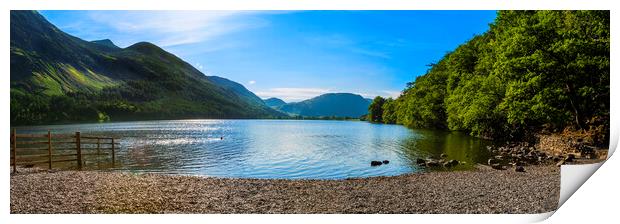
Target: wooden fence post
[
  {"x": 49, "y": 148},
  {"x": 79, "y": 149},
  {"x": 98, "y": 151},
  {"x": 113, "y": 155},
  {"x": 13, "y": 153}
]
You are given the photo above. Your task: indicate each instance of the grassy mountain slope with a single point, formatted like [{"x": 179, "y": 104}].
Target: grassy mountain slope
[
  {"x": 331, "y": 104},
  {"x": 56, "y": 77}
]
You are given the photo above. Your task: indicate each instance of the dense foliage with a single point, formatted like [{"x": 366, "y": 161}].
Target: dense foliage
[
  {"x": 375, "y": 109},
  {"x": 531, "y": 71}
]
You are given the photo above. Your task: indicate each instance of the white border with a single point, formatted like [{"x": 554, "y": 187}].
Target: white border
[{"x": 602, "y": 182}]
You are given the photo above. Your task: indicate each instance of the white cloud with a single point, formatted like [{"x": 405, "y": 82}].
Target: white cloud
[
  {"x": 382, "y": 93},
  {"x": 199, "y": 66},
  {"x": 179, "y": 27},
  {"x": 251, "y": 82},
  {"x": 292, "y": 94},
  {"x": 393, "y": 94}
]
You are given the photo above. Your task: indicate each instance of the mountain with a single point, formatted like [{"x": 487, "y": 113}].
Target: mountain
[
  {"x": 56, "y": 77},
  {"x": 274, "y": 102},
  {"x": 330, "y": 104},
  {"x": 237, "y": 88},
  {"x": 105, "y": 42}
]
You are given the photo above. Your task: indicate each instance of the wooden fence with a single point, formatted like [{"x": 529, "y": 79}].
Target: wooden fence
[{"x": 32, "y": 149}]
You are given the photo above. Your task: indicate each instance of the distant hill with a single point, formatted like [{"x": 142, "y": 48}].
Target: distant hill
[
  {"x": 56, "y": 77},
  {"x": 274, "y": 102},
  {"x": 330, "y": 104}
]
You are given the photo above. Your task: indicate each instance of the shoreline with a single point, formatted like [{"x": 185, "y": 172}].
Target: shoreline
[{"x": 483, "y": 190}]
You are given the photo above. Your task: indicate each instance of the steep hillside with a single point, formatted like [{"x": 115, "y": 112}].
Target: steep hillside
[
  {"x": 105, "y": 42},
  {"x": 331, "y": 104},
  {"x": 56, "y": 77}
]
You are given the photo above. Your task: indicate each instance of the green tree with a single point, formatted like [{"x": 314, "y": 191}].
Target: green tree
[
  {"x": 532, "y": 70},
  {"x": 375, "y": 110},
  {"x": 389, "y": 111}
]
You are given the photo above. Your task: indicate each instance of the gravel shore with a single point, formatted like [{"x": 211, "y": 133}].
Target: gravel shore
[{"x": 479, "y": 191}]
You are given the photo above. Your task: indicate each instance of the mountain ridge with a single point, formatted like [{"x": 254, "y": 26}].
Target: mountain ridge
[
  {"x": 56, "y": 77},
  {"x": 274, "y": 102},
  {"x": 329, "y": 105}
]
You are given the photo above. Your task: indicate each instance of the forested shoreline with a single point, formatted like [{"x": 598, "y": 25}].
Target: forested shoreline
[{"x": 531, "y": 72}]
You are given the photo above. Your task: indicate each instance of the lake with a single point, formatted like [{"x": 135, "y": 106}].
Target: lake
[{"x": 292, "y": 149}]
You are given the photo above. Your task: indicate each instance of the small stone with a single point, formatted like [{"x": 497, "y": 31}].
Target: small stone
[
  {"x": 570, "y": 157},
  {"x": 562, "y": 162},
  {"x": 519, "y": 169},
  {"x": 497, "y": 166},
  {"x": 420, "y": 161},
  {"x": 443, "y": 155},
  {"x": 386, "y": 161}
]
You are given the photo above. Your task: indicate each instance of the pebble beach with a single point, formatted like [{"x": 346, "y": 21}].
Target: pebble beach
[{"x": 483, "y": 190}]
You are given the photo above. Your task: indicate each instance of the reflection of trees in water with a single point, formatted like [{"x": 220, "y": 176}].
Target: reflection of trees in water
[{"x": 459, "y": 146}]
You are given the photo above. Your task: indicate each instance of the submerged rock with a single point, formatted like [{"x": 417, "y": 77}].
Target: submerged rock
[{"x": 386, "y": 161}]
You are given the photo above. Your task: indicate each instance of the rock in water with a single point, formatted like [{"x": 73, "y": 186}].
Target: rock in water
[
  {"x": 443, "y": 155},
  {"x": 454, "y": 162},
  {"x": 432, "y": 163},
  {"x": 451, "y": 163},
  {"x": 519, "y": 169},
  {"x": 420, "y": 161},
  {"x": 386, "y": 161},
  {"x": 492, "y": 161},
  {"x": 375, "y": 163}
]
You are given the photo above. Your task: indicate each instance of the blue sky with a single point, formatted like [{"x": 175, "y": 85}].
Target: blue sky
[{"x": 293, "y": 55}]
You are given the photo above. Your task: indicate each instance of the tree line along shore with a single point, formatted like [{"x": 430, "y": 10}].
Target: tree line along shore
[{"x": 532, "y": 73}]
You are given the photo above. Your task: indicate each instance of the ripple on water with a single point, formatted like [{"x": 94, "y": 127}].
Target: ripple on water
[{"x": 275, "y": 148}]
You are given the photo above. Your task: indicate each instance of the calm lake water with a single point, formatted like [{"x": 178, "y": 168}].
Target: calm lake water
[{"x": 274, "y": 148}]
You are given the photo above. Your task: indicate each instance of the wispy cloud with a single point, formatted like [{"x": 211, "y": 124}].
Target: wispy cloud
[
  {"x": 292, "y": 94},
  {"x": 174, "y": 28},
  {"x": 378, "y": 48}
]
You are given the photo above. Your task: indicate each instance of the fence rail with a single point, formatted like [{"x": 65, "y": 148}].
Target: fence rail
[{"x": 26, "y": 149}]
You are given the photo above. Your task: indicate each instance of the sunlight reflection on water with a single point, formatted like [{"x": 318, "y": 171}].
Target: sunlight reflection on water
[{"x": 275, "y": 148}]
